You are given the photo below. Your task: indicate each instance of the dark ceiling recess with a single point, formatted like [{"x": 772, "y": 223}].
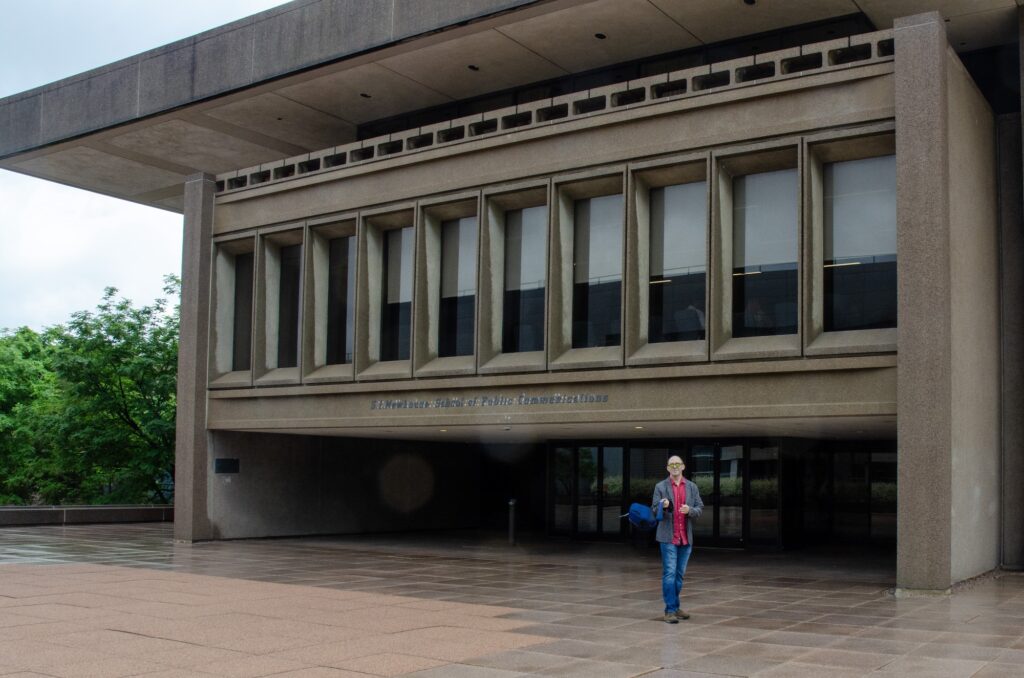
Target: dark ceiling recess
[
  {"x": 853, "y": 24},
  {"x": 996, "y": 71}
]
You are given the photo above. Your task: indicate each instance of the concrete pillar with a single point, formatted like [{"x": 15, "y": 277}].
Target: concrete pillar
[
  {"x": 191, "y": 521},
  {"x": 924, "y": 382},
  {"x": 948, "y": 403}
]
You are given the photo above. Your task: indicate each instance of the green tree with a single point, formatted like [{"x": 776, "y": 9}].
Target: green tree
[
  {"x": 26, "y": 380},
  {"x": 87, "y": 408},
  {"x": 118, "y": 368}
]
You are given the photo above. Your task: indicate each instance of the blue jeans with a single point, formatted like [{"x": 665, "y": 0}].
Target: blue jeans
[{"x": 673, "y": 567}]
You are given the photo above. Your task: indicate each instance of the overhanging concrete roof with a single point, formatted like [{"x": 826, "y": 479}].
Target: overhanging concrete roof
[{"x": 302, "y": 76}]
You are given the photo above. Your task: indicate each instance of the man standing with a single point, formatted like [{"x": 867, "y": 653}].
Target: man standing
[{"x": 681, "y": 504}]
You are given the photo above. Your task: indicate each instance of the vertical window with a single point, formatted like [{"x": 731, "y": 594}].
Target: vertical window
[
  {"x": 288, "y": 306},
  {"x": 241, "y": 350},
  {"x": 522, "y": 327},
  {"x": 395, "y": 317},
  {"x": 678, "y": 247},
  {"x": 597, "y": 272},
  {"x": 458, "y": 287},
  {"x": 860, "y": 244},
  {"x": 341, "y": 299},
  {"x": 764, "y": 241}
]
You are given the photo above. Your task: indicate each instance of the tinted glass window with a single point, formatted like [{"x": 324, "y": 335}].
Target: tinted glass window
[
  {"x": 860, "y": 244},
  {"x": 396, "y": 301},
  {"x": 341, "y": 300},
  {"x": 764, "y": 241},
  {"x": 597, "y": 272},
  {"x": 288, "y": 306},
  {"x": 458, "y": 287},
  {"x": 522, "y": 327},
  {"x": 241, "y": 353},
  {"x": 678, "y": 245}
]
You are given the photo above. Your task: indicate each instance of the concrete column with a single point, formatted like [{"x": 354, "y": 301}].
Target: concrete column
[
  {"x": 948, "y": 402},
  {"x": 1011, "y": 285},
  {"x": 924, "y": 380},
  {"x": 191, "y": 521}
]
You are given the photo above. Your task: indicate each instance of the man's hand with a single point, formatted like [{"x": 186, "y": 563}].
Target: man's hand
[
  {"x": 684, "y": 509},
  {"x": 664, "y": 503}
]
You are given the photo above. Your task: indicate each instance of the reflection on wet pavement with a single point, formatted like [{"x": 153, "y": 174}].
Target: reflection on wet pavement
[{"x": 119, "y": 600}]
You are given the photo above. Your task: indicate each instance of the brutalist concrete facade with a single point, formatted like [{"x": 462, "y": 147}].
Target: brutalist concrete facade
[{"x": 319, "y": 443}]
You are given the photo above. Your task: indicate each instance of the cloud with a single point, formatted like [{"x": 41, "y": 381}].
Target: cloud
[{"x": 60, "y": 247}]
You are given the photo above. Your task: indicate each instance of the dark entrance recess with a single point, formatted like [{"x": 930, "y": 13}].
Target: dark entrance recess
[{"x": 757, "y": 493}]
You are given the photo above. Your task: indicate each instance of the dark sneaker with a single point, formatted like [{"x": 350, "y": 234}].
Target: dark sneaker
[
  {"x": 681, "y": 615},
  {"x": 670, "y": 618}
]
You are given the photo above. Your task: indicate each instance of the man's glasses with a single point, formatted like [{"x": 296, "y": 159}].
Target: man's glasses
[{"x": 677, "y": 465}]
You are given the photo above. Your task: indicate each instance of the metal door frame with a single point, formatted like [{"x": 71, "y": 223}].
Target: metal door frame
[{"x": 574, "y": 446}]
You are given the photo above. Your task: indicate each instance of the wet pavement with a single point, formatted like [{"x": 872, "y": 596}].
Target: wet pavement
[{"x": 124, "y": 600}]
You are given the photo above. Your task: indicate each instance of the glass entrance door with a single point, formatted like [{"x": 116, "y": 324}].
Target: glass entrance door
[
  {"x": 738, "y": 482},
  {"x": 587, "y": 490},
  {"x": 731, "y": 474},
  {"x": 562, "y": 495},
  {"x": 611, "y": 490},
  {"x": 719, "y": 471},
  {"x": 763, "y": 503},
  {"x": 701, "y": 467}
]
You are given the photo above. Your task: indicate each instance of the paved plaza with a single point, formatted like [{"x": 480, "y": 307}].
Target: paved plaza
[{"x": 123, "y": 600}]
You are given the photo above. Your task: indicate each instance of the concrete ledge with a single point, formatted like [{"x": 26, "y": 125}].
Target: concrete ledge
[{"x": 11, "y": 516}]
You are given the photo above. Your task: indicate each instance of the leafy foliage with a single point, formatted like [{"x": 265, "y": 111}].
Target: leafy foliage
[
  {"x": 26, "y": 386},
  {"x": 87, "y": 408}
]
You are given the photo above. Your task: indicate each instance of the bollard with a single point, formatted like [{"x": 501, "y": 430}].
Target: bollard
[{"x": 511, "y": 522}]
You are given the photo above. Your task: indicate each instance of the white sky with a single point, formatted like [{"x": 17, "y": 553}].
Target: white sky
[{"x": 59, "y": 246}]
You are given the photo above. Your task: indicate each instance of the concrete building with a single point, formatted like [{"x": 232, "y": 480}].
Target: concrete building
[{"x": 439, "y": 254}]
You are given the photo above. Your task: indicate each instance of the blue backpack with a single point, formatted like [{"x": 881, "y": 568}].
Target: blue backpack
[{"x": 641, "y": 517}]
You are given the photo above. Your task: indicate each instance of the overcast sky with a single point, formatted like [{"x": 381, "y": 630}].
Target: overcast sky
[{"x": 59, "y": 246}]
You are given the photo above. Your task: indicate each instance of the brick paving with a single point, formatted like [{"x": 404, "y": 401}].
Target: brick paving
[{"x": 123, "y": 600}]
